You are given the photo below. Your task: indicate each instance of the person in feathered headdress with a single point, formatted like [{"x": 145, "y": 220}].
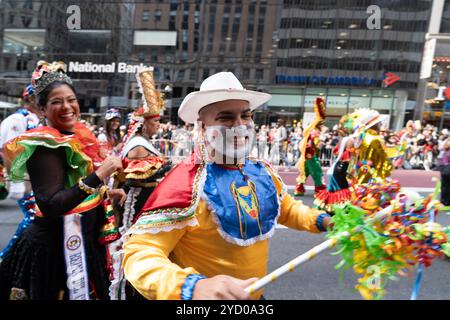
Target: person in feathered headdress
[
  {"x": 62, "y": 254},
  {"x": 338, "y": 190},
  {"x": 309, "y": 164},
  {"x": 144, "y": 167}
]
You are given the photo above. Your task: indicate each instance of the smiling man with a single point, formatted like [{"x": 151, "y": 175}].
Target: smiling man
[{"x": 203, "y": 233}]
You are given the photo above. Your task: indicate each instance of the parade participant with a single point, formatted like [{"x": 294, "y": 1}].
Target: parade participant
[
  {"x": 203, "y": 233},
  {"x": 279, "y": 144},
  {"x": 443, "y": 165},
  {"x": 61, "y": 255},
  {"x": 144, "y": 167},
  {"x": 372, "y": 160},
  {"x": 338, "y": 189},
  {"x": 309, "y": 164},
  {"x": 111, "y": 139},
  {"x": 24, "y": 119}
]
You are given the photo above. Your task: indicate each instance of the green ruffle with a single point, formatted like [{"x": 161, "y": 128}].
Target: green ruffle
[{"x": 78, "y": 165}]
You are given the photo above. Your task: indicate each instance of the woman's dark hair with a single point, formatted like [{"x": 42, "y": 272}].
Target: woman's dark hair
[
  {"x": 42, "y": 97},
  {"x": 110, "y": 133}
]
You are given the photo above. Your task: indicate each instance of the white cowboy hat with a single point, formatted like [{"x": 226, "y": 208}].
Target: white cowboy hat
[{"x": 218, "y": 87}]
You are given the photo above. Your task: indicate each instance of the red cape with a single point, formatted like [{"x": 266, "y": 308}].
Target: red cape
[{"x": 175, "y": 190}]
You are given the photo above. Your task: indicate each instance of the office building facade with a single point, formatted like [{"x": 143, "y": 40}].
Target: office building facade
[
  {"x": 71, "y": 31},
  {"x": 343, "y": 50}
]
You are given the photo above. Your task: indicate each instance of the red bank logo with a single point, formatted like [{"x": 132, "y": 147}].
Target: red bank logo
[{"x": 390, "y": 79}]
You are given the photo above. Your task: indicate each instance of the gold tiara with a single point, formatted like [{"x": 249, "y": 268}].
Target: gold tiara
[{"x": 46, "y": 73}]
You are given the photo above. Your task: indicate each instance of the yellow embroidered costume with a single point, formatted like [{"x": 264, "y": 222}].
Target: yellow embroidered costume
[
  {"x": 197, "y": 241},
  {"x": 206, "y": 219}
]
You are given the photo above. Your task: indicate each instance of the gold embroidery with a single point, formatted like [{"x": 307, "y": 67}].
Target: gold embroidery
[{"x": 251, "y": 209}]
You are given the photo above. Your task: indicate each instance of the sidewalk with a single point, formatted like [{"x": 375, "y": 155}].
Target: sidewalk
[{"x": 408, "y": 178}]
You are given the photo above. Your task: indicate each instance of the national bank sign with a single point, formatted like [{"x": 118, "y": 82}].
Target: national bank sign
[
  {"x": 120, "y": 67},
  {"x": 317, "y": 80}
]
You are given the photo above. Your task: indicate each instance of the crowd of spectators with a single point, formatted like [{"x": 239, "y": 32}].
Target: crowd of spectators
[{"x": 279, "y": 143}]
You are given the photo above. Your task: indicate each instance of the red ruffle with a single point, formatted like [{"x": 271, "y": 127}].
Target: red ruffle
[
  {"x": 90, "y": 143},
  {"x": 324, "y": 199}
]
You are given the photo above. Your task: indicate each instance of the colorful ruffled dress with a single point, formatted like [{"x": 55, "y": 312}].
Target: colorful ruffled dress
[
  {"x": 338, "y": 190},
  {"x": 62, "y": 254},
  {"x": 141, "y": 177}
]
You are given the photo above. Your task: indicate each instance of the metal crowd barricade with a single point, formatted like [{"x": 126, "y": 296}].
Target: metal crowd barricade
[
  {"x": 288, "y": 153},
  {"x": 172, "y": 149}
]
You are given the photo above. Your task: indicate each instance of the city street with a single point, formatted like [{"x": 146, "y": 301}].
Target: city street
[{"x": 316, "y": 279}]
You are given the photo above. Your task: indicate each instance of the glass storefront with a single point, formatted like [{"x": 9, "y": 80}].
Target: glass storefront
[
  {"x": 23, "y": 41},
  {"x": 295, "y": 104}
]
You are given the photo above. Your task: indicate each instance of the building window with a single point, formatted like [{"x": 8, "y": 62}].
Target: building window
[
  {"x": 20, "y": 41},
  {"x": 90, "y": 41},
  {"x": 177, "y": 92},
  {"x": 156, "y": 73},
  {"x": 259, "y": 74},
  {"x": 246, "y": 73},
  {"x": 192, "y": 74},
  {"x": 205, "y": 73},
  {"x": 158, "y": 15},
  {"x": 145, "y": 15},
  {"x": 180, "y": 76}
]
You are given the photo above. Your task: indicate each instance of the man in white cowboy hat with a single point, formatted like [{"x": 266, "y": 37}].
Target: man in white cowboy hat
[{"x": 203, "y": 233}]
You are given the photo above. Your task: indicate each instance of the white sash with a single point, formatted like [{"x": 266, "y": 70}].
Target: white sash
[{"x": 75, "y": 256}]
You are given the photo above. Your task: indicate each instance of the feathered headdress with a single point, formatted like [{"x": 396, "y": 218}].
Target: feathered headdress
[
  {"x": 152, "y": 102},
  {"x": 46, "y": 73}
]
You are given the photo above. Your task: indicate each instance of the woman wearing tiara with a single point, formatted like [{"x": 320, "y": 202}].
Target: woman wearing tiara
[{"x": 62, "y": 254}]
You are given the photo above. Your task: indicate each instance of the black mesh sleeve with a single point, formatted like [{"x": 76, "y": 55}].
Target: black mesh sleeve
[{"x": 47, "y": 169}]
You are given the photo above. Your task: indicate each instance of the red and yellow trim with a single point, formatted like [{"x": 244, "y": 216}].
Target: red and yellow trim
[{"x": 89, "y": 203}]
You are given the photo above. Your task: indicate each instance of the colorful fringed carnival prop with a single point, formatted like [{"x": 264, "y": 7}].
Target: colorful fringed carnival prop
[
  {"x": 310, "y": 166},
  {"x": 384, "y": 233},
  {"x": 405, "y": 238}
]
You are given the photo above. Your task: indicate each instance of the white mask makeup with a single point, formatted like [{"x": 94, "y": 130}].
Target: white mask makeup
[{"x": 230, "y": 145}]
